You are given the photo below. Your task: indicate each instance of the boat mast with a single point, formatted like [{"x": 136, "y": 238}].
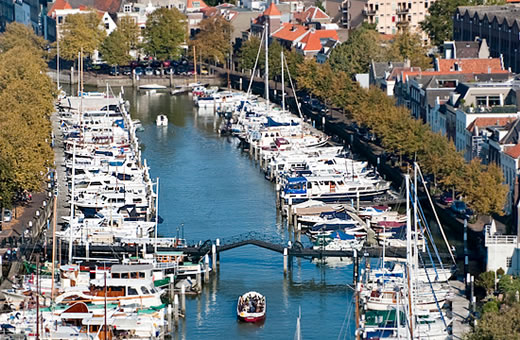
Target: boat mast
[
  {"x": 105, "y": 333},
  {"x": 409, "y": 257},
  {"x": 58, "y": 56},
  {"x": 37, "y": 297},
  {"x": 283, "y": 84},
  {"x": 267, "y": 65},
  {"x": 53, "y": 247},
  {"x": 72, "y": 200},
  {"x": 156, "y": 214},
  {"x": 195, "y": 62}
]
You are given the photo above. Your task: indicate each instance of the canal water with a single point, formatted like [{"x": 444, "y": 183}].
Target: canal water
[{"x": 213, "y": 190}]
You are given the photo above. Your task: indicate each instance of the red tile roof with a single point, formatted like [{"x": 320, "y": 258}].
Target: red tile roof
[
  {"x": 290, "y": 32},
  {"x": 406, "y": 74},
  {"x": 483, "y": 122},
  {"x": 471, "y": 65},
  {"x": 272, "y": 10},
  {"x": 513, "y": 151},
  {"x": 58, "y": 4},
  {"x": 312, "y": 40},
  {"x": 310, "y": 14},
  {"x": 387, "y": 37}
]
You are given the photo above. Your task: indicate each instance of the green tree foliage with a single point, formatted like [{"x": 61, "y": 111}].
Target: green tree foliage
[
  {"x": 19, "y": 35},
  {"x": 354, "y": 55},
  {"x": 503, "y": 324},
  {"x": 128, "y": 28},
  {"x": 27, "y": 95},
  {"x": 439, "y": 23},
  {"x": 486, "y": 281},
  {"x": 213, "y": 42},
  {"x": 164, "y": 34},
  {"x": 249, "y": 51},
  {"x": 115, "y": 50},
  {"x": 408, "y": 45},
  {"x": 80, "y": 31}
]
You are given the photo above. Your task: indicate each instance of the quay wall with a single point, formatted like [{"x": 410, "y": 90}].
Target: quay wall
[{"x": 101, "y": 80}]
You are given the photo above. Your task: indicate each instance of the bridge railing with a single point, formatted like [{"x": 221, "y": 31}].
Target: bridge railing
[{"x": 254, "y": 235}]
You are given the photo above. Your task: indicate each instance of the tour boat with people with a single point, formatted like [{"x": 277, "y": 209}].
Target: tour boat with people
[{"x": 251, "y": 307}]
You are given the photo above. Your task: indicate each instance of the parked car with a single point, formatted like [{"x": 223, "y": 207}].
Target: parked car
[
  {"x": 158, "y": 72},
  {"x": 204, "y": 71},
  {"x": 138, "y": 71},
  {"x": 114, "y": 71},
  {"x": 166, "y": 63},
  {"x": 126, "y": 71},
  {"x": 318, "y": 106},
  {"x": 446, "y": 198},
  {"x": 8, "y": 215},
  {"x": 148, "y": 71},
  {"x": 459, "y": 208}
]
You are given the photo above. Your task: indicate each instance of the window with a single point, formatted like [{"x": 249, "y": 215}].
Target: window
[
  {"x": 481, "y": 101},
  {"x": 494, "y": 100},
  {"x": 509, "y": 262},
  {"x": 144, "y": 290},
  {"x": 107, "y": 25},
  {"x": 133, "y": 275},
  {"x": 141, "y": 275},
  {"x": 132, "y": 291},
  {"x": 116, "y": 275},
  {"x": 124, "y": 275}
]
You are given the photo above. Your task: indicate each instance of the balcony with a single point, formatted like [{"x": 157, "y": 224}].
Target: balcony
[
  {"x": 402, "y": 10},
  {"x": 501, "y": 240},
  {"x": 369, "y": 12},
  {"x": 490, "y": 109}
]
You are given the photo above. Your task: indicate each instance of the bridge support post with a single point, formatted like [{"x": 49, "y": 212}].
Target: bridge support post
[
  {"x": 218, "y": 254},
  {"x": 176, "y": 309},
  {"x": 214, "y": 257},
  {"x": 169, "y": 325},
  {"x": 285, "y": 260},
  {"x": 356, "y": 268},
  {"x": 206, "y": 268},
  {"x": 199, "y": 282},
  {"x": 289, "y": 211},
  {"x": 357, "y": 201},
  {"x": 183, "y": 299}
]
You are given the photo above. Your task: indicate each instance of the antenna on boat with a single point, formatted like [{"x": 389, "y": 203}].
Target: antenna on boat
[
  {"x": 267, "y": 65},
  {"x": 283, "y": 84},
  {"x": 156, "y": 214},
  {"x": 292, "y": 87},
  {"x": 254, "y": 70},
  {"x": 72, "y": 199}
]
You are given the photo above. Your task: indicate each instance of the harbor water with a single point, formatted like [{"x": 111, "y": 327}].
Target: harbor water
[{"x": 214, "y": 190}]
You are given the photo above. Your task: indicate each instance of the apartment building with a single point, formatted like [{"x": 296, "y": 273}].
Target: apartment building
[
  {"x": 499, "y": 25},
  {"x": 391, "y": 16}
]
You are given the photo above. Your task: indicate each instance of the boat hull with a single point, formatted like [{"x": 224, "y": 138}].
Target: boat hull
[{"x": 251, "y": 318}]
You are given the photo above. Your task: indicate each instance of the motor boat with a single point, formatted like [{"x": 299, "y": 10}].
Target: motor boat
[
  {"x": 251, "y": 307},
  {"x": 152, "y": 87},
  {"x": 161, "y": 120}
]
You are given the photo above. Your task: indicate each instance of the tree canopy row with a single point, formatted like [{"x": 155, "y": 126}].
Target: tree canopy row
[
  {"x": 27, "y": 95},
  {"x": 480, "y": 185}
]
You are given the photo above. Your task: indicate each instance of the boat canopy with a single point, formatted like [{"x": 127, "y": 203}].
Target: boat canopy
[{"x": 342, "y": 236}]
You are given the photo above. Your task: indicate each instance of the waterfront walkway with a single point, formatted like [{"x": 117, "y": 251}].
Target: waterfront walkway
[{"x": 460, "y": 310}]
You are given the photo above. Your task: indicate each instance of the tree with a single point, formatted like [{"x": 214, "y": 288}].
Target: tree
[
  {"x": 483, "y": 188},
  {"x": 115, "y": 50},
  {"x": 486, "y": 280},
  {"x": 503, "y": 324},
  {"x": 213, "y": 42},
  {"x": 19, "y": 35},
  {"x": 248, "y": 52},
  {"x": 128, "y": 28},
  {"x": 80, "y": 32},
  {"x": 354, "y": 55},
  {"x": 408, "y": 45},
  {"x": 164, "y": 34}
]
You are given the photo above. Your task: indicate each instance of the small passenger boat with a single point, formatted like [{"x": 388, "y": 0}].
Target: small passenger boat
[
  {"x": 152, "y": 87},
  {"x": 161, "y": 120},
  {"x": 251, "y": 307}
]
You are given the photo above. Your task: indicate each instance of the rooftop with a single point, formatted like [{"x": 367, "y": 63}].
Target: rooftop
[
  {"x": 470, "y": 65},
  {"x": 509, "y": 13},
  {"x": 272, "y": 10},
  {"x": 483, "y": 122},
  {"x": 513, "y": 151}
]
